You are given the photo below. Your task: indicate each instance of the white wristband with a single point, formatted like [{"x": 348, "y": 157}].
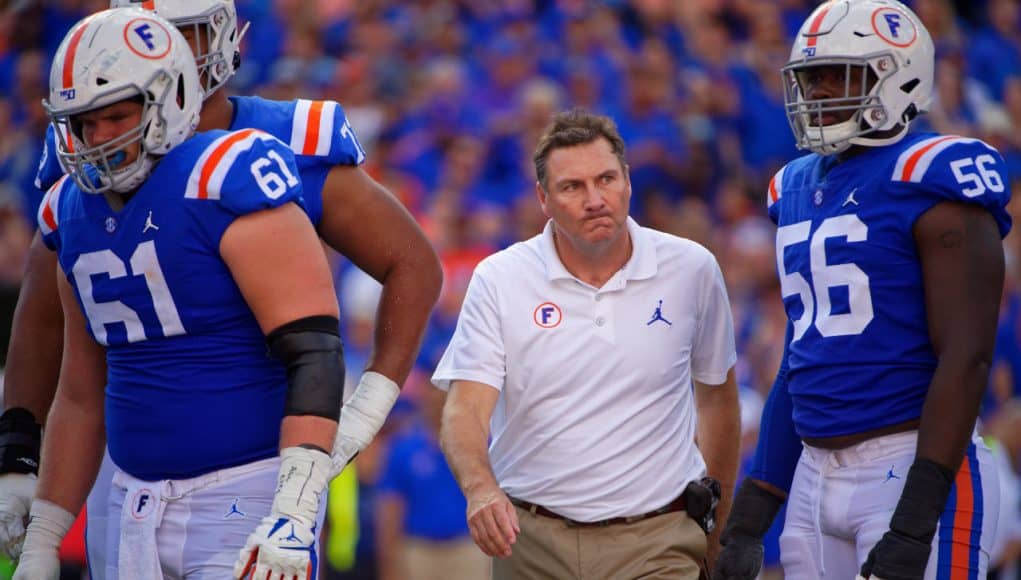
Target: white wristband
[
  {"x": 304, "y": 474},
  {"x": 363, "y": 416},
  {"x": 47, "y": 527}
]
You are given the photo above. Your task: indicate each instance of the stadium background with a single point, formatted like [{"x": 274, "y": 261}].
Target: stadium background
[{"x": 448, "y": 97}]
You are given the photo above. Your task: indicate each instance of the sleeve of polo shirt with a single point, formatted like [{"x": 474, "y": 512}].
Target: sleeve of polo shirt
[
  {"x": 476, "y": 351},
  {"x": 713, "y": 352}
]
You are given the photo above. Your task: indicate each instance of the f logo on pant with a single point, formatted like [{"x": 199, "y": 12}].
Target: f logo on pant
[{"x": 142, "y": 504}]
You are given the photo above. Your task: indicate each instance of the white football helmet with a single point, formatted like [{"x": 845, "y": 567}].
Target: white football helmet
[
  {"x": 215, "y": 21},
  {"x": 117, "y": 55},
  {"x": 886, "y": 45}
]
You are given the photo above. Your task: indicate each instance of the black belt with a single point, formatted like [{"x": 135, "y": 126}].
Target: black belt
[{"x": 677, "y": 505}]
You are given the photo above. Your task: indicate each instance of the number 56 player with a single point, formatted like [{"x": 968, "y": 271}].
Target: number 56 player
[{"x": 891, "y": 265}]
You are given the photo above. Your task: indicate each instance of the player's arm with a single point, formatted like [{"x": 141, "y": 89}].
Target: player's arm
[
  {"x": 368, "y": 225},
  {"x": 962, "y": 267},
  {"x": 719, "y": 441},
  {"x": 276, "y": 260},
  {"x": 464, "y": 437},
  {"x": 33, "y": 357},
  {"x": 763, "y": 492},
  {"x": 30, "y": 381},
  {"x": 73, "y": 444}
]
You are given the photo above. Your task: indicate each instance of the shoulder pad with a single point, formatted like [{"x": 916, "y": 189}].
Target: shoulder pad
[{"x": 321, "y": 129}]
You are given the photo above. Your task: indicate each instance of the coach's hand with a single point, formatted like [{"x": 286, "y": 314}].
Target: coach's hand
[
  {"x": 750, "y": 518},
  {"x": 39, "y": 560},
  {"x": 897, "y": 557},
  {"x": 493, "y": 522},
  {"x": 283, "y": 546}
]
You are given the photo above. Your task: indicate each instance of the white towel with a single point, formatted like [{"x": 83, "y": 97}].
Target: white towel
[{"x": 138, "y": 556}]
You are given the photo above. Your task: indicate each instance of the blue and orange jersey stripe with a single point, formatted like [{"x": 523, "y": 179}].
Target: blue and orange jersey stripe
[{"x": 960, "y": 526}]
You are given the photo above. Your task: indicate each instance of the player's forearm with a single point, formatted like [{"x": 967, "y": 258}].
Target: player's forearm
[
  {"x": 951, "y": 408},
  {"x": 297, "y": 430},
  {"x": 72, "y": 451},
  {"x": 33, "y": 357},
  {"x": 410, "y": 291}
]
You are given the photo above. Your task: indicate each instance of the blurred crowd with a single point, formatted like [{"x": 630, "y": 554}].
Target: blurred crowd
[{"x": 448, "y": 98}]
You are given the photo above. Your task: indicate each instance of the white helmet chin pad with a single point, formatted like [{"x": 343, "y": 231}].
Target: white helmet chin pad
[
  {"x": 113, "y": 56},
  {"x": 885, "y": 49}
]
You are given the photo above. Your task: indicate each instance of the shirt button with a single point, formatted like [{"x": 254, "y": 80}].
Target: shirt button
[
  {"x": 600, "y": 321},
  {"x": 599, "y": 297}
]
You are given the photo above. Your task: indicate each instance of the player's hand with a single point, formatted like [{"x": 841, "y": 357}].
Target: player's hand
[
  {"x": 282, "y": 546},
  {"x": 16, "y": 493},
  {"x": 897, "y": 557},
  {"x": 39, "y": 559},
  {"x": 493, "y": 522},
  {"x": 38, "y": 565},
  {"x": 740, "y": 558},
  {"x": 279, "y": 548}
]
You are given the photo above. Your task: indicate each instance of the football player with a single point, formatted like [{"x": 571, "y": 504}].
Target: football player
[
  {"x": 890, "y": 261},
  {"x": 164, "y": 241},
  {"x": 352, "y": 213}
]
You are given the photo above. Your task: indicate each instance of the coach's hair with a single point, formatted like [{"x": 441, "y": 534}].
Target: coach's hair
[{"x": 575, "y": 127}]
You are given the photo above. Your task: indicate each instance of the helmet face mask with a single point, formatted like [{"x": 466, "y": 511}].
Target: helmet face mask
[
  {"x": 116, "y": 56},
  {"x": 888, "y": 60}
]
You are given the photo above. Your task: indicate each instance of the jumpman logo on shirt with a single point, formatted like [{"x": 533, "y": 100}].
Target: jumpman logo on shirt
[
  {"x": 658, "y": 316},
  {"x": 890, "y": 475},
  {"x": 149, "y": 225},
  {"x": 234, "y": 509},
  {"x": 850, "y": 198}
]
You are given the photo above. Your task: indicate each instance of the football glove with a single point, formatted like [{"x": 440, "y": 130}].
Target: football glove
[
  {"x": 20, "y": 438},
  {"x": 284, "y": 543},
  {"x": 750, "y": 518},
  {"x": 903, "y": 552},
  {"x": 39, "y": 559}
]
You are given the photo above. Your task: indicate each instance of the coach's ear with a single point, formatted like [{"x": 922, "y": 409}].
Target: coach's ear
[{"x": 541, "y": 196}]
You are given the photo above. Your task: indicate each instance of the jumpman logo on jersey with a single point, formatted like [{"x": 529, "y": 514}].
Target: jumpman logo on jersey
[
  {"x": 234, "y": 509},
  {"x": 850, "y": 198},
  {"x": 890, "y": 475},
  {"x": 148, "y": 224},
  {"x": 658, "y": 316}
]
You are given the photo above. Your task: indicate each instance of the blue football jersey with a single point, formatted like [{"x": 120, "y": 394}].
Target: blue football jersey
[
  {"x": 190, "y": 388},
  {"x": 318, "y": 133},
  {"x": 860, "y": 357}
]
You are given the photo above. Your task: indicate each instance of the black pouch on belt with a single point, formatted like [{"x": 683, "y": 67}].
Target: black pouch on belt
[{"x": 701, "y": 497}]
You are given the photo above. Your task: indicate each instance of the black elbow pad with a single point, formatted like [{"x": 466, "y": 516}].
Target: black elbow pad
[{"x": 314, "y": 355}]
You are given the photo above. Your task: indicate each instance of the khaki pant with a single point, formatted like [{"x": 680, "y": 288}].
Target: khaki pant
[
  {"x": 667, "y": 546},
  {"x": 460, "y": 559}
]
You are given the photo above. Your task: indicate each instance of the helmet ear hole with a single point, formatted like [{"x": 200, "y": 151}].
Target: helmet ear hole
[{"x": 910, "y": 86}]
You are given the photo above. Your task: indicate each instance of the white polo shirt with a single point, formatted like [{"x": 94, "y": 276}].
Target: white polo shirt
[{"x": 596, "y": 414}]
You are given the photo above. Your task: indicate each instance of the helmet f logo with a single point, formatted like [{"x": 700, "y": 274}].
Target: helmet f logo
[
  {"x": 893, "y": 21},
  {"x": 144, "y": 32}
]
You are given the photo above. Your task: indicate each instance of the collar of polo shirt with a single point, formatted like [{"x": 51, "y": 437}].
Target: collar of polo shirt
[{"x": 642, "y": 264}]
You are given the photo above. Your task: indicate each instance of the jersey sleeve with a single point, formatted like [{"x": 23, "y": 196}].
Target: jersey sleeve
[
  {"x": 321, "y": 129},
  {"x": 49, "y": 170},
  {"x": 951, "y": 168},
  {"x": 239, "y": 173},
  {"x": 48, "y": 214},
  {"x": 774, "y": 191}
]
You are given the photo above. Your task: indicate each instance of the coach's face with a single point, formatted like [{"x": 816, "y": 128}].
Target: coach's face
[{"x": 588, "y": 194}]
